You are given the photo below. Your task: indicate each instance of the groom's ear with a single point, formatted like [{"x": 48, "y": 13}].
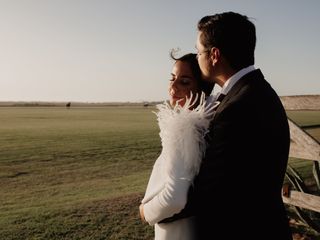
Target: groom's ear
[{"x": 214, "y": 55}]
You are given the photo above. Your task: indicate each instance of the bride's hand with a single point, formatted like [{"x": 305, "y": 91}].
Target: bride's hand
[{"x": 142, "y": 213}]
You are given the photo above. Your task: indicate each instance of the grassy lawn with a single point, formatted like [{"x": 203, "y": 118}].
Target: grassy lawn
[
  {"x": 72, "y": 174},
  {"x": 80, "y": 173},
  {"x": 305, "y": 118}
]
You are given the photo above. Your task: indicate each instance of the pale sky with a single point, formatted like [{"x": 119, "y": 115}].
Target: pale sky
[{"x": 118, "y": 50}]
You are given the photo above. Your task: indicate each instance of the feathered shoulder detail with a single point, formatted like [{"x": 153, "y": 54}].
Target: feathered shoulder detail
[{"x": 182, "y": 133}]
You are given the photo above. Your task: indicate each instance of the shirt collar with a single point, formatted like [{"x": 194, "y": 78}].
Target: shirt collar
[{"x": 235, "y": 78}]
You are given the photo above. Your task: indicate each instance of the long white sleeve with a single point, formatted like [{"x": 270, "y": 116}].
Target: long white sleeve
[
  {"x": 170, "y": 201},
  {"x": 172, "y": 195},
  {"x": 182, "y": 134}
]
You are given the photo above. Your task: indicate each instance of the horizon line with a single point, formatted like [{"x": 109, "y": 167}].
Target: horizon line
[{"x": 128, "y": 101}]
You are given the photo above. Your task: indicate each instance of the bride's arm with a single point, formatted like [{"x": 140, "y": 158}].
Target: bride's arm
[
  {"x": 182, "y": 134},
  {"x": 171, "y": 199}
]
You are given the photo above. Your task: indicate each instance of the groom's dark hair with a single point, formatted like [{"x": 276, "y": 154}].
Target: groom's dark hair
[{"x": 233, "y": 34}]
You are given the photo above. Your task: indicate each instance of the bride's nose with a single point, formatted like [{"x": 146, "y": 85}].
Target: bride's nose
[{"x": 173, "y": 89}]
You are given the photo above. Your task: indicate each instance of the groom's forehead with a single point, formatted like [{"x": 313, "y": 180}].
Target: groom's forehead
[{"x": 198, "y": 41}]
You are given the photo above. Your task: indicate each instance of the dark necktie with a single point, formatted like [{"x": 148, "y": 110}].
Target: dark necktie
[
  {"x": 221, "y": 97},
  {"x": 218, "y": 101}
]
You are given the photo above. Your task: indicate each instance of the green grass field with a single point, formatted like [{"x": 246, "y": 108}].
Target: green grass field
[
  {"x": 79, "y": 173},
  {"x": 308, "y": 119},
  {"x": 75, "y": 174}
]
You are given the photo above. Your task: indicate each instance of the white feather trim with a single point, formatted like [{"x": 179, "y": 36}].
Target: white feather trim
[{"x": 182, "y": 133}]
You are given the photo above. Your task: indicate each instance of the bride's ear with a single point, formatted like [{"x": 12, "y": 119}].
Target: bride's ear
[{"x": 214, "y": 55}]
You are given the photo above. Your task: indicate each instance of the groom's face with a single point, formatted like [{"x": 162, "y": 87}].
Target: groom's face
[{"x": 203, "y": 58}]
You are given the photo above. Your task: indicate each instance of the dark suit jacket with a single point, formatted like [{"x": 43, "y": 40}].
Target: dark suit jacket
[{"x": 237, "y": 193}]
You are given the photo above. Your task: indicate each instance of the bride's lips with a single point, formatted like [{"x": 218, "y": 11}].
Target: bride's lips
[{"x": 176, "y": 97}]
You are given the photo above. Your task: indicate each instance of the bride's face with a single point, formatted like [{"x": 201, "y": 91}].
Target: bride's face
[{"x": 182, "y": 82}]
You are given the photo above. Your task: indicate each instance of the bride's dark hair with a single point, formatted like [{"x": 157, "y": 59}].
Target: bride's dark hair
[{"x": 191, "y": 59}]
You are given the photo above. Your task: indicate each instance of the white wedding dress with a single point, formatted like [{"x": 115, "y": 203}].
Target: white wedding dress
[{"x": 182, "y": 134}]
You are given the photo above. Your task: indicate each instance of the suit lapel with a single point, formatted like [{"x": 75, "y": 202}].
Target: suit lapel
[{"x": 254, "y": 75}]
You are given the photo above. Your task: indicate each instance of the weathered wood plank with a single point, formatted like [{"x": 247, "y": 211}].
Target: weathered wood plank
[
  {"x": 303, "y": 200},
  {"x": 301, "y": 102},
  {"x": 303, "y": 145}
]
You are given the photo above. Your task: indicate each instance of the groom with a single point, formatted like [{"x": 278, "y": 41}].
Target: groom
[{"x": 237, "y": 193}]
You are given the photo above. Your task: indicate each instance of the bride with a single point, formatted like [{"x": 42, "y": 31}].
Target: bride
[{"x": 183, "y": 124}]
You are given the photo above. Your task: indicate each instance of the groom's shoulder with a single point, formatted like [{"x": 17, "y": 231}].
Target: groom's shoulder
[
  {"x": 255, "y": 85},
  {"x": 248, "y": 84}
]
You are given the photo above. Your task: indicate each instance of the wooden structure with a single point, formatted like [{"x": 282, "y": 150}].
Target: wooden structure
[{"x": 305, "y": 147}]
